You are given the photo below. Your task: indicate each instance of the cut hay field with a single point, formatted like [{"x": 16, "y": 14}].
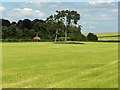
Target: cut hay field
[
  {"x": 111, "y": 36},
  {"x": 50, "y": 65}
]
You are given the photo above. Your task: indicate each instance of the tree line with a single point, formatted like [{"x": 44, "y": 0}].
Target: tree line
[{"x": 61, "y": 26}]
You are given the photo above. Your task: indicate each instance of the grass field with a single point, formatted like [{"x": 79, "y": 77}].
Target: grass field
[
  {"x": 50, "y": 65},
  {"x": 108, "y": 36}
]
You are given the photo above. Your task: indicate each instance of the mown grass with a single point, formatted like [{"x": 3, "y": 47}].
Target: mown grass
[
  {"x": 108, "y": 36},
  {"x": 51, "y": 65}
]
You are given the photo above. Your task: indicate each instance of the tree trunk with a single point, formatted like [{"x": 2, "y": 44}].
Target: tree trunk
[
  {"x": 56, "y": 35},
  {"x": 66, "y": 32},
  {"x": 65, "y": 35}
]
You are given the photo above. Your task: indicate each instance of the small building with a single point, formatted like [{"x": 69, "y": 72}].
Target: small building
[{"x": 37, "y": 38}]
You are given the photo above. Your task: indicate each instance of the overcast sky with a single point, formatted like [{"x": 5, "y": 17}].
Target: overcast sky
[{"x": 96, "y": 15}]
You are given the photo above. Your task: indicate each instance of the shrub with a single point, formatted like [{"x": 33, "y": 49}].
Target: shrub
[
  {"x": 77, "y": 37},
  {"x": 92, "y": 37}
]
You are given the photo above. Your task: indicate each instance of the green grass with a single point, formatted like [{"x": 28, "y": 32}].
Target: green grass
[
  {"x": 50, "y": 65},
  {"x": 108, "y": 36}
]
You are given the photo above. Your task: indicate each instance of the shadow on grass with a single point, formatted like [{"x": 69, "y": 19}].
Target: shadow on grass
[
  {"x": 77, "y": 42},
  {"x": 68, "y": 42},
  {"x": 112, "y": 41}
]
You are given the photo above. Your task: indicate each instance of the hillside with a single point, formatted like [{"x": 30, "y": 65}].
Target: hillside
[{"x": 110, "y": 36}]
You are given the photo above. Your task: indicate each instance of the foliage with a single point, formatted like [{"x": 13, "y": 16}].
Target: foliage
[
  {"x": 62, "y": 24},
  {"x": 92, "y": 37},
  {"x": 69, "y": 18},
  {"x": 5, "y": 22}
]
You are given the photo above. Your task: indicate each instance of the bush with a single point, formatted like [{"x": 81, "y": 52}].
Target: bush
[
  {"x": 26, "y": 40},
  {"x": 77, "y": 37},
  {"x": 92, "y": 37},
  {"x": 61, "y": 38},
  {"x": 82, "y": 38}
]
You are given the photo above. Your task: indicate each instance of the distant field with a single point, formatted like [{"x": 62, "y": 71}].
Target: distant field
[
  {"x": 108, "y": 36},
  {"x": 50, "y": 65}
]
